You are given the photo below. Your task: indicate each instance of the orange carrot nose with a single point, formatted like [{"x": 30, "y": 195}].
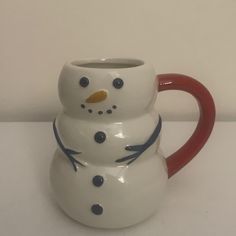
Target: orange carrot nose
[{"x": 98, "y": 96}]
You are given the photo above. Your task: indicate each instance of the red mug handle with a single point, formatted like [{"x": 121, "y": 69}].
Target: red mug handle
[{"x": 206, "y": 120}]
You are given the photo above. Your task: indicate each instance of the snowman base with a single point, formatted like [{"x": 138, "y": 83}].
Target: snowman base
[{"x": 126, "y": 195}]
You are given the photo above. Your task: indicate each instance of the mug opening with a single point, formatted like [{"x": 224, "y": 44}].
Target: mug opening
[{"x": 109, "y": 63}]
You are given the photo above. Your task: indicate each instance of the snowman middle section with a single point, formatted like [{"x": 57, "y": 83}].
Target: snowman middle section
[{"x": 108, "y": 143}]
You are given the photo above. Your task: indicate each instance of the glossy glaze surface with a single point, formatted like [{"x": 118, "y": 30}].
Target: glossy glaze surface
[{"x": 107, "y": 171}]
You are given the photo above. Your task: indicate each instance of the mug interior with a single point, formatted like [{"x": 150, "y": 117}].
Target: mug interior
[{"x": 109, "y": 63}]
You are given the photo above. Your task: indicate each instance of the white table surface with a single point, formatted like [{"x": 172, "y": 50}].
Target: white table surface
[{"x": 200, "y": 199}]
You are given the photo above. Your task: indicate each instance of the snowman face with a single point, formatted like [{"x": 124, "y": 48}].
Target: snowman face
[{"x": 111, "y": 88}]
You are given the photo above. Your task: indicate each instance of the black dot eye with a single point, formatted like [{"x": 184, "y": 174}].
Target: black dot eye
[
  {"x": 84, "y": 82},
  {"x": 118, "y": 83}
]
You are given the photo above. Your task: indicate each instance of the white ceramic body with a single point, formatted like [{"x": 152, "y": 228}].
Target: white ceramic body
[{"x": 129, "y": 193}]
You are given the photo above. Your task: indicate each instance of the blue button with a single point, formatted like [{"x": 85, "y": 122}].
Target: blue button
[
  {"x": 97, "y": 209},
  {"x": 100, "y": 137}
]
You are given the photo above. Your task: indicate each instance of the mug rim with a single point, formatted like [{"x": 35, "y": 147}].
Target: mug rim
[{"x": 108, "y": 63}]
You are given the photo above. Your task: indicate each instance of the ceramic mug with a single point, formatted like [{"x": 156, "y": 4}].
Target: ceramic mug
[{"x": 108, "y": 171}]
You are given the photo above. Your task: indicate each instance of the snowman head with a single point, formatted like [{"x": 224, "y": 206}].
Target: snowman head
[{"x": 107, "y": 88}]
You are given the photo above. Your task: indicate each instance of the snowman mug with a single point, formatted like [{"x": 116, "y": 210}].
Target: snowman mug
[{"x": 108, "y": 171}]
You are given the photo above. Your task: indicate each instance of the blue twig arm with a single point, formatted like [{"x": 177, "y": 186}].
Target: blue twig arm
[
  {"x": 139, "y": 149},
  {"x": 68, "y": 152}
]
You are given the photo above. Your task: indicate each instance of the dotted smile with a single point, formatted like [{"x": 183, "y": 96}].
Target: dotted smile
[{"x": 108, "y": 111}]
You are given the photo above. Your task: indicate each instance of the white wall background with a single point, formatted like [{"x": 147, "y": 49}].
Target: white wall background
[{"x": 194, "y": 37}]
